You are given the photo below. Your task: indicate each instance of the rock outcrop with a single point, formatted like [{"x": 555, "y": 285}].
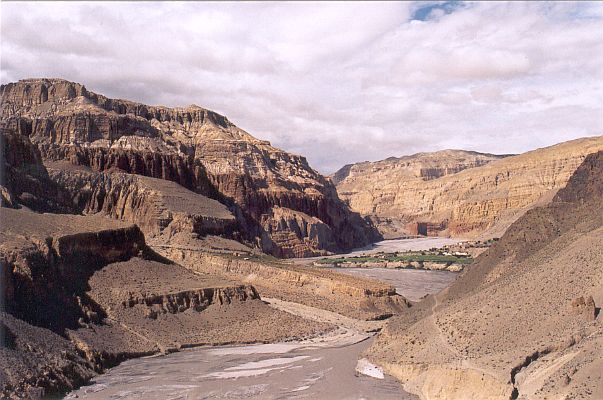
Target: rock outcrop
[
  {"x": 23, "y": 179},
  {"x": 157, "y": 206},
  {"x": 198, "y": 149},
  {"x": 356, "y": 297},
  {"x": 459, "y": 193},
  {"x": 44, "y": 270},
  {"x": 524, "y": 320},
  {"x": 171, "y": 308}
]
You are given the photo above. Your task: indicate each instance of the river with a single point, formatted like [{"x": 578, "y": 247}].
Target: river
[
  {"x": 267, "y": 371},
  {"x": 410, "y": 283},
  {"x": 323, "y": 368}
]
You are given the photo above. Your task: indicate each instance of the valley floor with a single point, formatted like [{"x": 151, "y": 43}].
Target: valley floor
[{"x": 326, "y": 366}]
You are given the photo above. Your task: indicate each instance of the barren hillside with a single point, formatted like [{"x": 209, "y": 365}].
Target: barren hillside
[{"x": 524, "y": 320}]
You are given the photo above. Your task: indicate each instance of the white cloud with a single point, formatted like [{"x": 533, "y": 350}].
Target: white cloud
[{"x": 336, "y": 82}]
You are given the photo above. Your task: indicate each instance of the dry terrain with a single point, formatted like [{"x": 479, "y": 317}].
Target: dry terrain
[
  {"x": 524, "y": 320},
  {"x": 130, "y": 230},
  {"x": 90, "y": 285},
  {"x": 82, "y": 293},
  {"x": 318, "y": 287}
]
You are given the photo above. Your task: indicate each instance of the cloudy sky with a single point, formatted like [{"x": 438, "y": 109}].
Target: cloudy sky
[{"x": 336, "y": 82}]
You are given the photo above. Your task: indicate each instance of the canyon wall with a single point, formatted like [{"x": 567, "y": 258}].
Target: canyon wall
[
  {"x": 459, "y": 193},
  {"x": 157, "y": 206},
  {"x": 23, "y": 178},
  {"x": 83, "y": 293},
  {"x": 523, "y": 321},
  {"x": 197, "y": 148}
]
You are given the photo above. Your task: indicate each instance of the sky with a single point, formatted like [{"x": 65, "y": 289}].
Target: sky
[{"x": 336, "y": 82}]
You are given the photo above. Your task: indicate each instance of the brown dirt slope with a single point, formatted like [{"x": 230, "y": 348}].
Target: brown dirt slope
[{"x": 524, "y": 320}]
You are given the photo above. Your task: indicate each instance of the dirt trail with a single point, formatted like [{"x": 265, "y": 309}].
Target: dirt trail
[
  {"x": 463, "y": 361},
  {"x": 320, "y": 315},
  {"x": 441, "y": 336}
]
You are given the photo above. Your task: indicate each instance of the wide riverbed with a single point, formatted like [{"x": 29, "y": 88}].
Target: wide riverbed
[
  {"x": 410, "y": 283},
  {"x": 320, "y": 369},
  {"x": 268, "y": 371},
  {"x": 417, "y": 244}
]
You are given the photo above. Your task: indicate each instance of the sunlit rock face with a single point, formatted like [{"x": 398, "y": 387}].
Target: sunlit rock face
[
  {"x": 280, "y": 202},
  {"x": 458, "y": 193}
]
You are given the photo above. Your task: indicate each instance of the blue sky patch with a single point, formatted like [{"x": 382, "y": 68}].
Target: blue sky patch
[{"x": 424, "y": 9}]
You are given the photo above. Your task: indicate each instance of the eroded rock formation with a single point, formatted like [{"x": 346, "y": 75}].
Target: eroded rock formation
[
  {"x": 23, "y": 178},
  {"x": 42, "y": 270},
  {"x": 459, "y": 193},
  {"x": 198, "y": 149},
  {"x": 157, "y": 206},
  {"x": 356, "y": 297}
]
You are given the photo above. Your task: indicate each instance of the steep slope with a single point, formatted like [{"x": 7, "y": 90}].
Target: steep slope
[
  {"x": 524, "y": 320},
  {"x": 157, "y": 206},
  {"x": 459, "y": 193},
  {"x": 23, "y": 179},
  {"x": 197, "y": 148}
]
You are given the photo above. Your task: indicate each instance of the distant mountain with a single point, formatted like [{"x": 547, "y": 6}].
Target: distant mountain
[
  {"x": 421, "y": 165},
  {"x": 458, "y": 193}
]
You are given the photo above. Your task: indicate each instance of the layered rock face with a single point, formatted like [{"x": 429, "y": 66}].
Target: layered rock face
[
  {"x": 157, "y": 206},
  {"x": 198, "y": 149},
  {"x": 355, "y": 297},
  {"x": 171, "y": 307},
  {"x": 459, "y": 193},
  {"x": 85, "y": 292},
  {"x": 23, "y": 178},
  {"x": 524, "y": 320},
  {"x": 425, "y": 166}
]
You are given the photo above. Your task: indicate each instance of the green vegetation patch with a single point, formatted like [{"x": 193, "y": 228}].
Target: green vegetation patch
[{"x": 401, "y": 257}]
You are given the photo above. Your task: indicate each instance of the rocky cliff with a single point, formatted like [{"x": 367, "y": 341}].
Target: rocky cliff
[
  {"x": 459, "y": 193},
  {"x": 158, "y": 207},
  {"x": 23, "y": 179},
  {"x": 425, "y": 166},
  {"x": 524, "y": 320},
  {"x": 196, "y": 148},
  {"x": 82, "y": 293}
]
